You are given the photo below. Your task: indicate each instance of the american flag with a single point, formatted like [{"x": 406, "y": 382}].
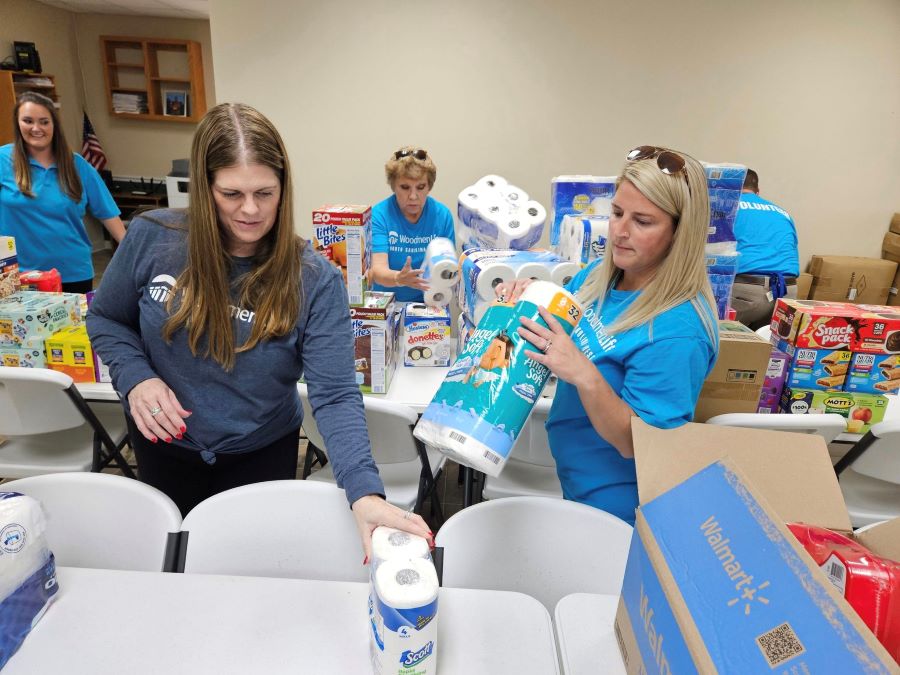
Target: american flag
[{"x": 91, "y": 149}]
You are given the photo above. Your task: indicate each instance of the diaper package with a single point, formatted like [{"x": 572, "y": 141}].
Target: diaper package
[
  {"x": 27, "y": 570},
  {"x": 486, "y": 397}
]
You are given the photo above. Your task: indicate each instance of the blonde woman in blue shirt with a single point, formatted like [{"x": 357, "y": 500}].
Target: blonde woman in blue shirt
[{"x": 648, "y": 336}]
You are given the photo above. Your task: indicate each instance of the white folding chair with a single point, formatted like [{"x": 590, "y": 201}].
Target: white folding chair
[
  {"x": 50, "y": 428},
  {"x": 408, "y": 468},
  {"x": 543, "y": 547},
  {"x": 765, "y": 332},
  {"x": 827, "y": 425},
  {"x": 285, "y": 528},
  {"x": 103, "y": 520},
  {"x": 869, "y": 475},
  {"x": 530, "y": 469}
]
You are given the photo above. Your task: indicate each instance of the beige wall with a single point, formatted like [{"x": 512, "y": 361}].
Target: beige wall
[{"x": 806, "y": 93}]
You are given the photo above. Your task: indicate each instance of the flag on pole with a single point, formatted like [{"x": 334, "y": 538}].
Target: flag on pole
[{"x": 91, "y": 149}]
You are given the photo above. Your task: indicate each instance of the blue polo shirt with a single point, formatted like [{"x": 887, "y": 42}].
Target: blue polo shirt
[
  {"x": 49, "y": 227},
  {"x": 766, "y": 237},
  {"x": 659, "y": 377},
  {"x": 393, "y": 234}
]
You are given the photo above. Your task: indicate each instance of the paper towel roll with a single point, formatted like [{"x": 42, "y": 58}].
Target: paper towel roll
[
  {"x": 437, "y": 297},
  {"x": 534, "y": 270},
  {"x": 489, "y": 274},
  {"x": 440, "y": 265},
  {"x": 491, "y": 181},
  {"x": 563, "y": 272},
  {"x": 405, "y": 584},
  {"x": 389, "y": 543}
]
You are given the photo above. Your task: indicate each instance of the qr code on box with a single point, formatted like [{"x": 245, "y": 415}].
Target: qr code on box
[{"x": 780, "y": 644}]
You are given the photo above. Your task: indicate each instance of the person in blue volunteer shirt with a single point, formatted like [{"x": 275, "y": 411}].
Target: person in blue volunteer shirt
[
  {"x": 648, "y": 336},
  {"x": 768, "y": 264},
  {"x": 404, "y": 224},
  {"x": 45, "y": 191}
]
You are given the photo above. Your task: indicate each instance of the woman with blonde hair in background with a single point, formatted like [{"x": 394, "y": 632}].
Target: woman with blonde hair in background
[
  {"x": 207, "y": 317},
  {"x": 45, "y": 191},
  {"x": 648, "y": 336}
]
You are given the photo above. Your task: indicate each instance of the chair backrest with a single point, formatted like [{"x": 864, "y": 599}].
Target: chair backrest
[
  {"x": 532, "y": 445},
  {"x": 34, "y": 401},
  {"x": 765, "y": 332},
  {"x": 546, "y": 548},
  {"x": 102, "y": 520},
  {"x": 288, "y": 528},
  {"x": 881, "y": 460},
  {"x": 390, "y": 427},
  {"x": 827, "y": 425}
]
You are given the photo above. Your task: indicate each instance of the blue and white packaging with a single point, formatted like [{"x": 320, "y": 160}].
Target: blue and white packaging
[
  {"x": 578, "y": 196},
  {"x": 440, "y": 266},
  {"x": 27, "y": 570},
  {"x": 724, "y": 182},
  {"x": 492, "y": 213},
  {"x": 583, "y": 239}
]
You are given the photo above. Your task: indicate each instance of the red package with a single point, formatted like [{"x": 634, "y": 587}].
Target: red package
[
  {"x": 36, "y": 280},
  {"x": 869, "y": 583}
]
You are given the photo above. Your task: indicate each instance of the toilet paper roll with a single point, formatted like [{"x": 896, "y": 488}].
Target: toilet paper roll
[
  {"x": 536, "y": 271},
  {"x": 514, "y": 195},
  {"x": 533, "y": 216},
  {"x": 488, "y": 275},
  {"x": 440, "y": 267},
  {"x": 491, "y": 181},
  {"x": 467, "y": 204},
  {"x": 563, "y": 272},
  {"x": 491, "y": 211},
  {"x": 389, "y": 543},
  {"x": 406, "y": 583},
  {"x": 437, "y": 297}
]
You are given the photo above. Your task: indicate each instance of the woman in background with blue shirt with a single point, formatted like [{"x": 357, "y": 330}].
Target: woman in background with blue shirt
[
  {"x": 648, "y": 337},
  {"x": 45, "y": 190},
  {"x": 404, "y": 224}
]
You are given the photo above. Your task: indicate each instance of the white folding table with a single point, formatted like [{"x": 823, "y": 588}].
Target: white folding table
[
  {"x": 109, "y": 621},
  {"x": 585, "y": 634}
]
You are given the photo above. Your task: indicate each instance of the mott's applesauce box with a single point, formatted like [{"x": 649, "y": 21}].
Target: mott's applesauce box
[
  {"x": 425, "y": 340},
  {"x": 9, "y": 267},
  {"x": 343, "y": 234},
  {"x": 29, "y": 354},
  {"x": 874, "y": 373},
  {"x": 824, "y": 369},
  {"x": 861, "y": 410},
  {"x": 29, "y": 314},
  {"x": 375, "y": 341}
]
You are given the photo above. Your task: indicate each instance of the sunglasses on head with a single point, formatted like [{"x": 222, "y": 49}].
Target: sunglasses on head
[
  {"x": 418, "y": 153},
  {"x": 669, "y": 162}
]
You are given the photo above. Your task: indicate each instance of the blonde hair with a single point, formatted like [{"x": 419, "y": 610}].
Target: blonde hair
[
  {"x": 410, "y": 167},
  {"x": 228, "y": 135},
  {"x": 69, "y": 181},
  {"x": 681, "y": 276}
]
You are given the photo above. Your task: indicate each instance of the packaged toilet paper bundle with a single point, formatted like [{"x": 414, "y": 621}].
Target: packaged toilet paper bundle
[
  {"x": 724, "y": 182},
  {"x": 403, "y": 604},
  {"x": 578, "y": 196},
  {"x": 582, "y": 239},
  {"x": 27, "y": 570},
  {"x": 492, "y": 213},
  {"x": 486, "y": 397},
  {"x": 440, "y": 268}
]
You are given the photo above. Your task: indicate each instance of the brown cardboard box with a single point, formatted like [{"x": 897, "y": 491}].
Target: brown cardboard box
[
  {"x": 736, "y": 380},
  {"x": 895, "y": 224},
  {"x": 841, "y": 278},
  {"x": 804, "y": 282},
  {"x": 894, "y": 293},
  {"x": 715, "y": 582},
  {"x": 890, "y": 247}
]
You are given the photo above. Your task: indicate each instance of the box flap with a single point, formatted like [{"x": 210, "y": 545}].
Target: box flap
[
  {"x": 883, "y": 539},
  {"x": 792, "y": 471}
]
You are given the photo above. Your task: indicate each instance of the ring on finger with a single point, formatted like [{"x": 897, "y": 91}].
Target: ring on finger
[
  {"x": 155, "y": 411},
  {"x": 547, "y": 345}
]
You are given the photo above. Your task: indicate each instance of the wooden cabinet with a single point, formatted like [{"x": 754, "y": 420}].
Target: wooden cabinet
[
  {"x": 13, "y": 83},
  {"x": 153, "y": 79}
]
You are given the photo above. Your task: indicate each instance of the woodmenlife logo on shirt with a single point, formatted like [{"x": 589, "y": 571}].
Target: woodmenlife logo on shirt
[{"x": 162, "y": 287}]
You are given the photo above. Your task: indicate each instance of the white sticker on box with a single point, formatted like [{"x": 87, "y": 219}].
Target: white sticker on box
[{"x": 836, "y": 571}]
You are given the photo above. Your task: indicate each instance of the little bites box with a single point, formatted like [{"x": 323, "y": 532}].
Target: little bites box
[
  {"x": 375, "y": 341},
  {"x": 715, "y": 582},
  {"x": 425, "y": 339},
  {"x": 343, "y": 234}
]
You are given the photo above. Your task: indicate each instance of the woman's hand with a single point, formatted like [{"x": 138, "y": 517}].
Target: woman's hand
[
  {"x": 156, "y": 412},
  {"x": 410, "y": 277},
  {"x": 556, "y": 349},
  {"x": 510, "y": 291},
  {"x": 371, "y": 511}
]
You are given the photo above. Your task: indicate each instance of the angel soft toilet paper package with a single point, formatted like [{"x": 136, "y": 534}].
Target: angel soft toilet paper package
[
  {"x": 488, "y": 393},
  {"x": 27, "y": 570}
]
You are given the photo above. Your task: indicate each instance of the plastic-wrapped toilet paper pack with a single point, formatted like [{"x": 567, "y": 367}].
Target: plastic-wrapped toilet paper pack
[
  {"x": 464, "y": 330},
  {"x": 724, "y": 182},
  {"x": 578, "y": 196},
  {"x": 389, "y": 543},
  {"x": 583, "y": 238},
  {"x": 721, "y": 268},
  {"x": 488, "y": 393},
  {"x": 492, "y": 213},
  {"x": 440, "y": 266},
  {"x": 27, "y": 570}
]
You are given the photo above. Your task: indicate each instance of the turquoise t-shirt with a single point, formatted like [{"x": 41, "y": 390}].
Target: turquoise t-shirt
[
  {"x": 659, "y": 378},
  {"x": 766, "y": 237},
  {"x": 393, "y": 234},
  {"x": 49, "y": 228}
]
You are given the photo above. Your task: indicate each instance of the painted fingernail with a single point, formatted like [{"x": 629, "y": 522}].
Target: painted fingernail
[
  {"x": 168, "y": 439},
  {"x": 153, "y": 439},
  {"x": 366, "y": 560},
  {"x": 182, "y": 430},
  {"x": 178, "y": 436}
]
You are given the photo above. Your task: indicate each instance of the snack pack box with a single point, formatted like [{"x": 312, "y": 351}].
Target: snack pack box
[
  {"x": 824, "y": 369},
  {"x": 29, "y": 314},
  {"x": 425, "y": 340},
  {"x": 874, "y": 373},
  {"x": 770, "y": 397},
  {"x": 861, "y": 410},
  {"x": 879, "y": 330},
  {"x": 343, "y": 234},
  {"x": 815, "y": 324},
  {"x": 375, "y": 341},
  {"x": 29, "y": 354},
  {"x": 9, "y": 267}
]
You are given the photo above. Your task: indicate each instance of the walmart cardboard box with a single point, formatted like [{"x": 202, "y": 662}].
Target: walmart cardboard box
[
  {"x": 860, "y": 280},
  {"x": 715, "y": 582},
  {"x": 735, "y": 383}
]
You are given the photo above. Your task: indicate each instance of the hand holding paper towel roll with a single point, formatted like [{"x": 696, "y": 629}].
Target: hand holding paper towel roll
[{"x": 440, "y": 267}]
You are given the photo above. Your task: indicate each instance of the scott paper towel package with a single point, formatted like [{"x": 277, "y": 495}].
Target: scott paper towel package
[
  {"x": 486, "y": 397},
  {"x": 426, "y": 340},
  {"x": 578, "y": 196},
  {"x": 27, "y": 570},
  {"x": 492, "y": 213},
  {"x": 403, "y": 604}
]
